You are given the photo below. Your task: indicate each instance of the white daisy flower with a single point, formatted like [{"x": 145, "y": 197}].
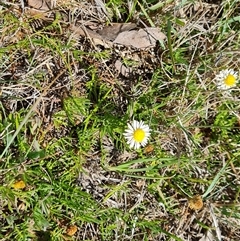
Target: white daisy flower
[
  {"x": 137, "y": 134},
  {"x": 227, "y": 79}
]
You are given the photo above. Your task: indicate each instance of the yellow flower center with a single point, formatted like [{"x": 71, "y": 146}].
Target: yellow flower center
[
  {"x": 230, "y": 80},
  {"x": 139, "y": 135}
]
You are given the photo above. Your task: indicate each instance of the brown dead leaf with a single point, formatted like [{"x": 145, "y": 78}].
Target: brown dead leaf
[
  {"x": 149, "y": 149},
  {"x": 143, "y": 38},
  {"x": 196, "y": 202},
  {"x": 72, "y": 230},
  {"x": 81, "y": 31},
  {"x": 43, "y": 5},
  {"x": 111, "y": 32}
]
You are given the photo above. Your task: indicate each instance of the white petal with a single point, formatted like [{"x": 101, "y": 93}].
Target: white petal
[{"x": 137, "y": 145}]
